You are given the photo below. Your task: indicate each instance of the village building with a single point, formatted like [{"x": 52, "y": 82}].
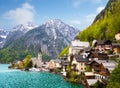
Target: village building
[
  {"x": 102, "y": 68},
  {"x": 97, "y": 56},
  {"x": 103, "y": 45},
  {"x": 89, "y": 75},
  {"x": 90, "y": 82},
  {"x": 77, "y": 46},
  {"x": 90, "y": 79},
  {"x": 52, "y": 64},
  {"x": 80, "y": 61}
]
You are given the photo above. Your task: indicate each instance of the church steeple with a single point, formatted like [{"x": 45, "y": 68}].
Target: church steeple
[
  {"x": 39, "y": 57},
  {"x": 40, "y": 51}
]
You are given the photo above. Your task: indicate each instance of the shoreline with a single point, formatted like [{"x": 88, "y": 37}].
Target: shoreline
[{"x": 79, "y": 82}]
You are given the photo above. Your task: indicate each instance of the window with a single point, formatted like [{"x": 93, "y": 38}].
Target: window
[
  {"x": 81, "y": 68},
  {"x": 81, "y": 64}
]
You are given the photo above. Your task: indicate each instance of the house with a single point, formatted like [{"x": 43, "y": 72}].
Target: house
[
  {"x": 116, "y": 48},
  {"x": 80, "y": 61},
  {"x": 109, "y": 66},
  {"x": 117, "y": 36},
  {"x": 97, "y": 56},
  {"x": 90, "y": 82},
  {"x": 89, "y": 75},
  {"x": 89, "y": 79},
  {"x": 77, "y": 45},
  {"x": 103, "y": 45},
  {"x": 102, "y": 68},
  {"x": 51, "y": 64},
  {"x": 95, "y": 66},
  {"x": 106, "y": 68},
  {"x": 65, "y": 63}
]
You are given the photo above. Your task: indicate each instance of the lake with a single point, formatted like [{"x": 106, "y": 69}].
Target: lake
[{"x": 22, "y": 79}]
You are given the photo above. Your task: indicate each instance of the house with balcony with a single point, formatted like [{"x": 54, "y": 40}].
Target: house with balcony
[
  {"x": 103, "y": 45},
  {"x": 97, "y": 56},
  {"x": 76, "y": 46},
  {"x": 102, "y": 68},
  {"x": 80, "y": 62}
]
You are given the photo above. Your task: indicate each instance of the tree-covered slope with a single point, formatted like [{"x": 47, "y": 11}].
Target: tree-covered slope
[
  {"x": 106, "y": 24},
  {"x": 51, "y": 37}
]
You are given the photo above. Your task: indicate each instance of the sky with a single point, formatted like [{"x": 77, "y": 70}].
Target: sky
[{"x": 77, "y": 13}]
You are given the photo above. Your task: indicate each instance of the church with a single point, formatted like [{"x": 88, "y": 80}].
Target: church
[{"x": 37, "y": 61}]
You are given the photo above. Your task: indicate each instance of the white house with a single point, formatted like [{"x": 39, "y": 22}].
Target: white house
[{"x": 77, "y": 45}]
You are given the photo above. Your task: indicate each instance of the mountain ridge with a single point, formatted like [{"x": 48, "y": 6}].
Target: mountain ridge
[{"x": 52, "y": 37}]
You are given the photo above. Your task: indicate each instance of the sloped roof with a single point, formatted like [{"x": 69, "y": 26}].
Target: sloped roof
[
  {"x": 110, "y": 65},
  {"x": 98, "y": 55},
  {"x": 81, "y": 58},
  {"x": 57, "y": 60},
  {"x": 101, "y": 42},
  {"x": 91, "y": 81},
  {"x": 80, "y": 43},
  {"x": 116, "y": 45}
]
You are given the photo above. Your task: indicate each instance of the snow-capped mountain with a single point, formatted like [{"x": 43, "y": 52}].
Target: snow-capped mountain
[
  {"x": 18, "y": 31},
  {"x": 52, "y": 37},
  {"x": 3, "y": 36},
  {"x": 56, "y": 25},
  {"x": 24, "y": 27}
]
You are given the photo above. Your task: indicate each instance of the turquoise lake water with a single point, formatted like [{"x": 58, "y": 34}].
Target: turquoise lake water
[{"x": 22, "y": 79}]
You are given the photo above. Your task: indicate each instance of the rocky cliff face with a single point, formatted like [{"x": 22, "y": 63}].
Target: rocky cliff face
[{"x": 52, "y": 37}]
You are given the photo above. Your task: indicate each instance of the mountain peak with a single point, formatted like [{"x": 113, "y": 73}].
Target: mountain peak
[
  {"x": 54, "y": 22},
  {"x": 24, "y": 27}
]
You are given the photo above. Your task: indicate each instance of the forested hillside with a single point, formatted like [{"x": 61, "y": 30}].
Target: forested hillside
[{"x": 106, "y": 24}]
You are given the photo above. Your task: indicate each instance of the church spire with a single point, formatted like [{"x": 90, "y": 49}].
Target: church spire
[
  {"x": 39, "y": 58},
  {"x": 40, "y": 51}
]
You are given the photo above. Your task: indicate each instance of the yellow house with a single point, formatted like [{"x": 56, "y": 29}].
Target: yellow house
[
  {"x": 80, "y": 61},
  {"x": 52, "y": 64}
]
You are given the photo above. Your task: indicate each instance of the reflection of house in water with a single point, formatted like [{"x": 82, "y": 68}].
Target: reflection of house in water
[{"x": 37, "y": 61}]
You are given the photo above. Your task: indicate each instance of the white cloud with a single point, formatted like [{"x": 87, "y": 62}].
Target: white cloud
[
  {"x": 90, "y": 18},
  {"x": 99, "y": 9},
  {"x": 21, "y": 15},
  {"x": 75, "y": 22}
]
